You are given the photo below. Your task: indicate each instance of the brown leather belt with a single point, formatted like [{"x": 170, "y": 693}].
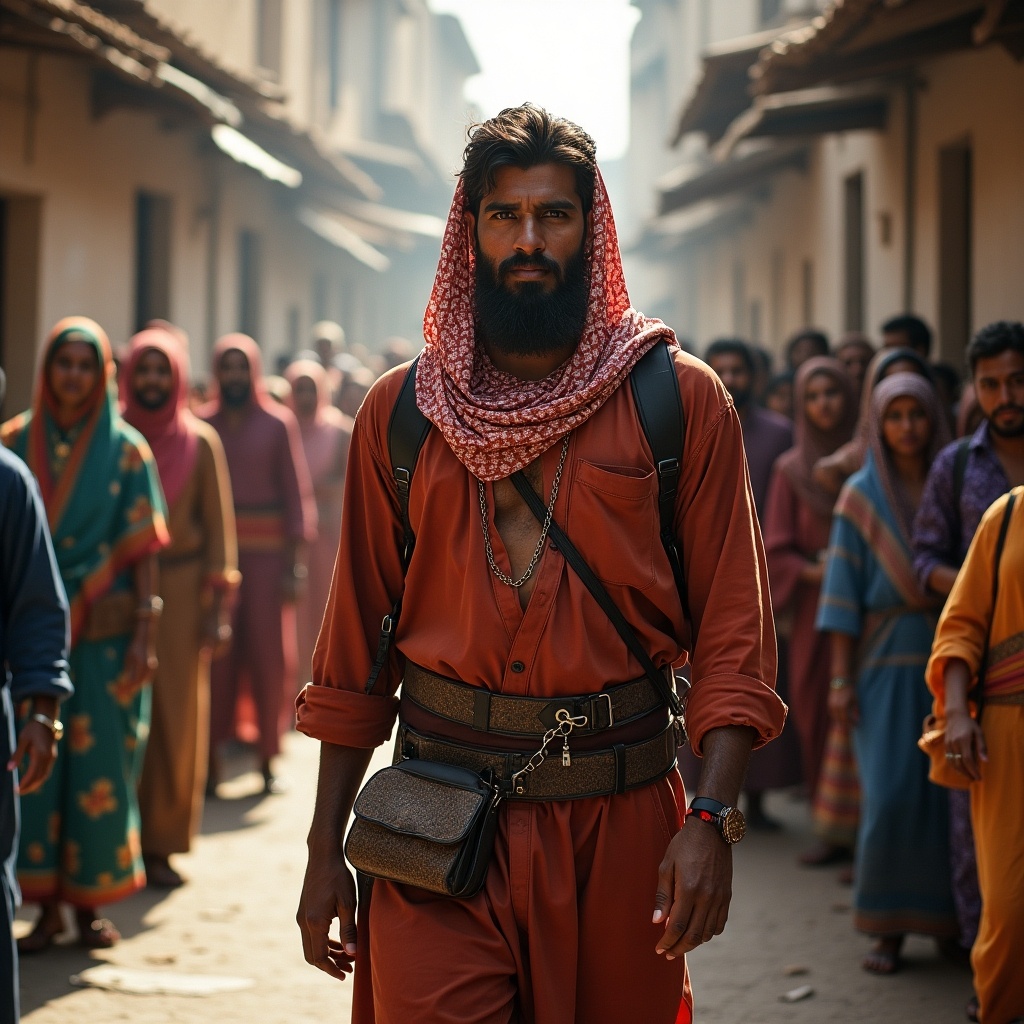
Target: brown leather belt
[
  {"x": 591, "y": 773},
  {"x": 504, "y": 715},
  {"x": 1005, "y": 698}
]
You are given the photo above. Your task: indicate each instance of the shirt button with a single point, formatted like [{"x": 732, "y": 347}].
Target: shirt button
[{"x": 517, "y": 666}]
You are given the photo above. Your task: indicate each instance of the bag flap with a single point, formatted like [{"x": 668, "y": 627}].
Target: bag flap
[{"x": 413, "y": 804}]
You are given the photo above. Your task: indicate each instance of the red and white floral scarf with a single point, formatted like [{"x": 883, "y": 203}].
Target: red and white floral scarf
[{"x": 494, "y": 422}]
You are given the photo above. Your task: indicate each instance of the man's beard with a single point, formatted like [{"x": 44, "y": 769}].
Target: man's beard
[
  {"x": 235, "y": 395},
  {"x": 1017, "y": 431},
  {"x": 526, "y": 320},
  {"x": 152, "y": 400},
  {"x": 741, "y": 397}
]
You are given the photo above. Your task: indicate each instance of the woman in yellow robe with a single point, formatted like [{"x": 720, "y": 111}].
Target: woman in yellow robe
[{"x": 990, "y": 753}]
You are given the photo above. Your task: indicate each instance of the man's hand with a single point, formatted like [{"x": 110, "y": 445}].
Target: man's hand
[
  {"x": 37, "y": 743},
  {"x": 694, "y": 889},
  {"x": 328, "y": 892},
  {"x": 140, "y": 662}
]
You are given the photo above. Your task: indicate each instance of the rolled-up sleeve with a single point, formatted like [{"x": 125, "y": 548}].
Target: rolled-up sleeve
[
  {"x": 734, "y": 654},
  {"x": 35, "y": 609}
]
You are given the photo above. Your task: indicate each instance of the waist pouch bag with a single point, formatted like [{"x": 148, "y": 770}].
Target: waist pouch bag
[{"x": 425, "y": 824}]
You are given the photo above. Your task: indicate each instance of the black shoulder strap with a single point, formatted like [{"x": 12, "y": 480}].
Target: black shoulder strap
[
  {"x": 963, "y": 448},
  {"x": 660, "y": 408},
  {"x": 1004, "y": 526},
  {"x": 407, "y": 430}
]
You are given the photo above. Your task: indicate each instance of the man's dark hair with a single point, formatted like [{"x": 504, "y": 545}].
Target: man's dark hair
[
  {"x": 524, "y": 137},
  {"x": 817, "y": 338},
  {"x": 994, "y": 339},
  {"x": 919, "y": 334},
  {"x": 731, "y": 347}
]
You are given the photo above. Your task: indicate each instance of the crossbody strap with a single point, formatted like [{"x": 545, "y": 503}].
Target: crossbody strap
[
  {"x": 979, "y": 690},
  {"x": 596, "y": 588}
]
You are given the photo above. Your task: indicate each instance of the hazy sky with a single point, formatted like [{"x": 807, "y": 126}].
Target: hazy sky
[{"x": 571, "y": 56}]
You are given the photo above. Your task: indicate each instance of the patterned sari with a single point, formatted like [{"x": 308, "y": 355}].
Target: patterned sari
[
  {"x": 80, "y": 832},
  {"x": 870, "y": 592}
]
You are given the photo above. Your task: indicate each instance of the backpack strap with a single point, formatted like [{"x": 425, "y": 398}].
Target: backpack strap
[
  {"x": 660, "y": 408},
  {"x": 407, "y": 430}
]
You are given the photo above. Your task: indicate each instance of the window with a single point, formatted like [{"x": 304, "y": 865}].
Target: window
[
  {"x": 249, "y": 268},
  {"x": 334, "y": 44},
  {"x": 268, "y": 35},
  {"x": 955, "y": 240},
  {"x": 152, "y": 258},
  {"x": 853, "y": 252}
]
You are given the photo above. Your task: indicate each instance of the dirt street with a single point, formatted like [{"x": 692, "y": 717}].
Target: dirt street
[{"x": 235, "y": 921}]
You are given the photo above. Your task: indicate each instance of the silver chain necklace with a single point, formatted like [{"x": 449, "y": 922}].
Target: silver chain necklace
[{"x": 482, "y": 491}]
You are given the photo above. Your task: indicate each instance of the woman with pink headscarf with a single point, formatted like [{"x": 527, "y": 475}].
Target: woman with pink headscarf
[{"x": 326, "y": 434}]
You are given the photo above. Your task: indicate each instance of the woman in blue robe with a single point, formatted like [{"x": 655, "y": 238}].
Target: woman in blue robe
[{"x": 882, "y": 626}]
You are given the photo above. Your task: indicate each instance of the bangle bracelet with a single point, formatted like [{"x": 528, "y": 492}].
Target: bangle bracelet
[
  {"x": 838, "y": 683},
  {"x": 150, "y": 608}
]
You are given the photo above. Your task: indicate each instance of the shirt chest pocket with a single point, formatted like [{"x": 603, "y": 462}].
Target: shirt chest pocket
[{"x": 613, "y": 520}]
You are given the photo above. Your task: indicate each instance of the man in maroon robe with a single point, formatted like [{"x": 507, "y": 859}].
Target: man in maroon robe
[{"x": 275, "y": 515}]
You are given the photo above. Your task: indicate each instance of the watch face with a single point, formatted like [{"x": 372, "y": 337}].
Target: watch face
[{"x": 734, "y": 825}]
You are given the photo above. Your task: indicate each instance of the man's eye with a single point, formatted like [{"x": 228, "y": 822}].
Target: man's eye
[{"x": 504, "y": 215}]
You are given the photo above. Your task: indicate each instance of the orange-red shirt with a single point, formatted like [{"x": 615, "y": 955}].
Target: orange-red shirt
[{"x": 460, "y": 621}]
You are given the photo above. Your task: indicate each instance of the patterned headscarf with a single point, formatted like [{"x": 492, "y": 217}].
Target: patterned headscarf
[
  {"x": 494, "y": 422},
  {"x": 900, "y": 385}
]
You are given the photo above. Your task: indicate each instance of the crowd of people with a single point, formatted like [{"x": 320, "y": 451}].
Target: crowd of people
[
  {"x": 192, "y": 530},
  {"x": 195, "y": 529},
  {"x": 869, "y": 509}
]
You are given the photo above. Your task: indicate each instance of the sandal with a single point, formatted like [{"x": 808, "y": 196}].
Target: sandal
[
  {"x": 884, "y": 958},
  {"x": 97, "y": 933},
  {"x": 160, "y": 874}
]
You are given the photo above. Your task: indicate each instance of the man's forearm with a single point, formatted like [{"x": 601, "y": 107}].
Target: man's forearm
[
  {"x": 341, "y": 773},
  {"x": 724, "y": 765}
]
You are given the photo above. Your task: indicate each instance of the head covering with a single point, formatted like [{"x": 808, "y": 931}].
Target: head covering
[
  {"x": 254, "y": 357},
  {"x": 307, "y": 369},
  {"x": 494, "y": 422},
  {"x": 170, "y": 430},
  {"x": 810, "y": 443},
  {"x": 104, "y": 504},
  {"x": 900, "y": 385}
]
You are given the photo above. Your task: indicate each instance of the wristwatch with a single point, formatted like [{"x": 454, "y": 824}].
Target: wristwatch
[
  {"x": 55, "y": 725},
  {"x": 729, "y": 821}
]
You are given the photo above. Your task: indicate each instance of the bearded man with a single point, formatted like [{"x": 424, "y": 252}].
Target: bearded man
[
  {"x": 275, "y": 519},
  {"x": 530, "y": 340},
  {"x": 198, "y": 571}
]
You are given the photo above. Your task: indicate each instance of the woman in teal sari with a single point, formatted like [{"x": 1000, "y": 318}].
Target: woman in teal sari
[
  {"x": 80, "y": 831},
  {"x": 881, "y": 627}
]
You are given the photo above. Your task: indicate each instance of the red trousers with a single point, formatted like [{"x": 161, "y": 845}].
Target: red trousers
[
  {"x": 561, "y": 932},
  {"x": 257, "y": 652}
]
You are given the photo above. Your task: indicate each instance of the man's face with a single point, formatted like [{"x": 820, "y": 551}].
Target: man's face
[
  {"x": 233, "y": 378},
  {"x": 529, "y": 234},
  {"x": 999, "y": 387},
  {"x": 152, "y": 379},
  {"x": 734, "y": 374},
  {"x": 855, "y": 358},
  {"x": 305, "y": 397}
]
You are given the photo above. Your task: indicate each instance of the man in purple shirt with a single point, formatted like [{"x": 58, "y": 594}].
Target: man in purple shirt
[{"x": 947, "y": 518}]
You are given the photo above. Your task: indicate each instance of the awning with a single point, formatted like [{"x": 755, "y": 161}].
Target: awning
[
  {"x": 723, "y": 91},
  {"x": 859, "y": 39},
  {"x": 244, "y": 151},
  {"x": 692, "y": 225},
  {"x": 332, "y": 229},
  {"x": 809, "y": 112},
  {"x": 733, "y": 176},
  {"x": 402, "y": 221}
]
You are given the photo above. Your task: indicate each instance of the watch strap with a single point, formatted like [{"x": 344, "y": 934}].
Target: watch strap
[{"x": 705, "y": 803}]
